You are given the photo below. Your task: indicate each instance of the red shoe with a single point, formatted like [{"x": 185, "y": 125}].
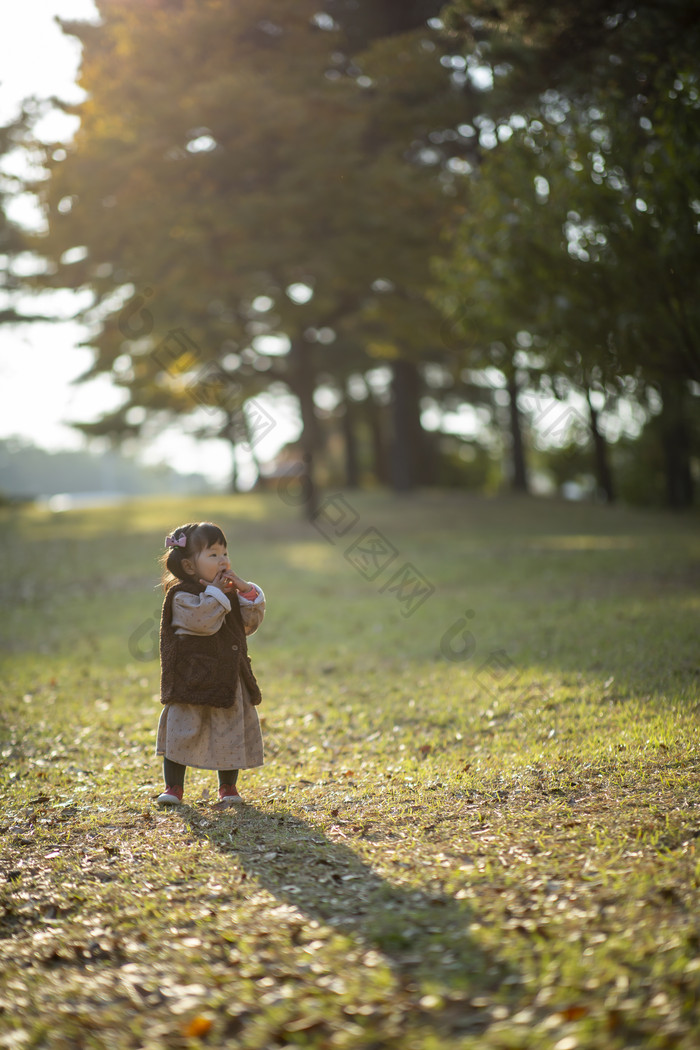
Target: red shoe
[
  {"x": 172, "y": 796},
  {"x": 228, "y": 795}
]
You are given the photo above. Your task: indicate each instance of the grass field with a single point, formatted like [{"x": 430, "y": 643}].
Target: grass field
[{"x": 478, "y": 819}]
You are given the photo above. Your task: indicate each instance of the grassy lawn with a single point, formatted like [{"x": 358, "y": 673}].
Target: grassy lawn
[{"x": 478, "y": 819}]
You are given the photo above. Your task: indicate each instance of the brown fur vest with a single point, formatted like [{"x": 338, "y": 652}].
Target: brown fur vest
[{"x": 204, "y": 669}]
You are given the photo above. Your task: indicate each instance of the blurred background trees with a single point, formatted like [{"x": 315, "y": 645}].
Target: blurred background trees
[
  {"x": 599, "y": 174},
  {"x": 462, "y": 238}
]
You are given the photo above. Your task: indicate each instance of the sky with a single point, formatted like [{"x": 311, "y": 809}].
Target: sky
[{"x": 40, "y": 361}]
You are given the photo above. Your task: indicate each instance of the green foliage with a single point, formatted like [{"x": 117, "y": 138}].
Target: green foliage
[
  {"x": 466, "y": 465},
  {"x": 567, "y": 45},
  {"x": 639, "y": 469},
  {"x": 571, "y": 462},
  {"x": 616, "y": 151},
  {"x": 13, "y": 241},
  {"x": 580, "y": 243},
  {"x": 222, "y": 158},
  {"x": 639, "y": 464}
]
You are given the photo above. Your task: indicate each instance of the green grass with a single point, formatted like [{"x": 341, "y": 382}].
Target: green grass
[{"x": 493, "y": 850}]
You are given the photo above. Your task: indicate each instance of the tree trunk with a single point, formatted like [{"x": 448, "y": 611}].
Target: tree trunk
[
  {"x": 428, "y": 466},
  {"x": 348, "y": 421},
  {"x": 407, "y": 431},
  {"x": 676, "y": 444},
  {"x": 231, "y": 433},
  {"x": 379, "y": 456},
  {"x": 256, "y": 463},
  {"x": 249, "y": 444},
  {"x": 233, "y": 483},
  {"x": 519, "y": 480},
  {"x": 600, "y": 454},
  {"x": 303, "y": 382}
]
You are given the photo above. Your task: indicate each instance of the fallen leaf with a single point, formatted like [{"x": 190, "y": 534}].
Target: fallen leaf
[
  {"x": 573, "y": 1013},
  {"x": 304, "y": 1024},
  {"x": 614, "y": 1020},
  {"x": 198, "y": 1026}
]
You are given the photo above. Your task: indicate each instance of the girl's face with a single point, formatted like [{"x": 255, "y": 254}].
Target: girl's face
[{"x": 211, "y": 561}]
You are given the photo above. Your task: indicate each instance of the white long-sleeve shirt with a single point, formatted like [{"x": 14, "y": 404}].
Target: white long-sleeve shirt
[{"x": 204, "y": 613}]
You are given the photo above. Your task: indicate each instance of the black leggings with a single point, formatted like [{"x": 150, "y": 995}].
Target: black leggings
[{"x": 174, "y": 774}]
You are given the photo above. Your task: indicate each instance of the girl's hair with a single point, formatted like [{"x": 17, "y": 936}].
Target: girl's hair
[{"x": 198, "y": 536}]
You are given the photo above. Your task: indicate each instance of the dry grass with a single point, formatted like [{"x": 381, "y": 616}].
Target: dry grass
[{"x": 495, "y": 850}]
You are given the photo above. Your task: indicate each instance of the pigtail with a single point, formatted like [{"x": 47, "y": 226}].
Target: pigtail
[{"x": 172, "y": 558}]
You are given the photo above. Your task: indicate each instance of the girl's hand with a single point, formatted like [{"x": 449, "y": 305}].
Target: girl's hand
[
  {"x": 234, "y": 582},
  {"x": 227, "y": 580},
  {"x": 222, "y": 580}
]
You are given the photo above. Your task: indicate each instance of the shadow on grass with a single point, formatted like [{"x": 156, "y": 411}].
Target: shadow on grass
[{"x": 422, "y": 936}]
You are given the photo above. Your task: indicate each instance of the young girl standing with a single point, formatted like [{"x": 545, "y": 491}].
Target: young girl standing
[{"x": 207, "y": 682}]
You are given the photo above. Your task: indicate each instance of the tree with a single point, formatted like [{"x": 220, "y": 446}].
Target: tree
[
  {"x": 611, "y": 136},
  {"x": 13, "y": 239},
  {"x": 259, "y": 164}
]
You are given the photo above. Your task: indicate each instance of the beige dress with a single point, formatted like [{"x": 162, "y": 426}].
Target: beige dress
[{"x": 212, "y": 737}]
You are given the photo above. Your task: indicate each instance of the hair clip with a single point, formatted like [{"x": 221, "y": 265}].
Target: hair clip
[{"x": 181, "y": 541}]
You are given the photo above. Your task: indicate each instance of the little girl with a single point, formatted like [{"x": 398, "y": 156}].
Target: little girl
[{"x": 207, "y": 682}]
